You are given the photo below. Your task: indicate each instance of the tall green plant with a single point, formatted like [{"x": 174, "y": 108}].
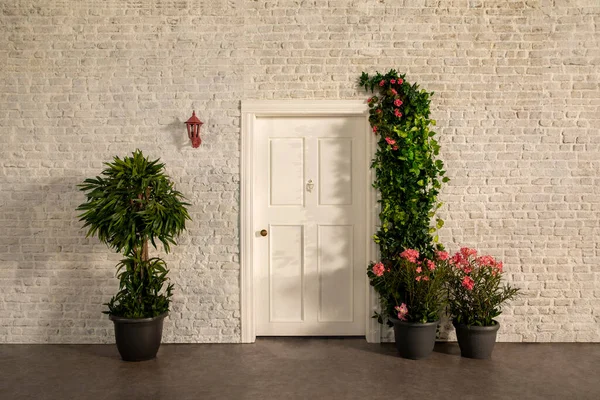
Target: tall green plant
[
  {"x": 407, "y": 174},
  {"x": 131, "y": 205}
]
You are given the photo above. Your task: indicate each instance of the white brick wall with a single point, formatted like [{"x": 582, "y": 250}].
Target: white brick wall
[{"x": 517, "y": 103}]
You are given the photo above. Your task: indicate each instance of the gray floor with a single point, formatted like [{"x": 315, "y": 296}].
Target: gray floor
[{"x": 299, "y": 368}]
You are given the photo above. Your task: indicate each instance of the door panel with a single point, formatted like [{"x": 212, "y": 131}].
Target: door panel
[
  {"x": 335, "y": 268},
  {"x": 286, "y": 171},
  {"x": 309, "y": 180},
  {"x": 335, "y": 171},
  {"x": 286, "y": 273}
]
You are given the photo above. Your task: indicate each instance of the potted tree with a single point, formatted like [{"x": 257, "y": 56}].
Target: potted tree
[
  {"x": 475, "y": 298},
  {"x": 131, "y": 205}
]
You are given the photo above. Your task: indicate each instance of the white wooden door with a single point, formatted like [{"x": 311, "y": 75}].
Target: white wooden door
[{"x": 310, "y": 196}]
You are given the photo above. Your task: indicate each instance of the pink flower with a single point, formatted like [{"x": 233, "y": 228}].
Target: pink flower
[
  {"x": 378, "y": 111},
  {"x": 430, "y": 265},
  {"x": 418, "y": 278},
  {"x": 397, "y": 113},
  {"x": 425, "y": 278},
  {"x": 378, "y": 269},
  {"x": 499, "y": 266},
  {"x": 394, "y": 92},
  {"x": 375, "y": 129},
  {"x": 468, "y": 283},
  {"x": 419, "y": 269},
  {"x": 410, "y": 255},
  {"x": 390, "y": 141},
  {"x": 370, "y": 99},
  {"x": 402, "y": 310},
  {"x": 466, "y": 252},
  {"x": 458, "y": 260},
  {"x": 497, "y": 269},
  {"x": 392, "y": 81},
  {"x": 382, "y": 83},
  {"x": 394, "y": 147},
  {"x": 400, "y": 81},
  {"x": 442, "y": 255},
  {"x": 397, "y": 102},
  {"x": 488, "y": 261}
]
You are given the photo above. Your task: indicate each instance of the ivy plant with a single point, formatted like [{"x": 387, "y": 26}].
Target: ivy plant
[
  {"x": 408, "y": 176},
  {"x": 132, "y": 204}
]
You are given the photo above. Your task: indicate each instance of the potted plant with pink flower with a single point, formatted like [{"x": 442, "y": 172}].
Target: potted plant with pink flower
[
  {"x": 408, "y": 176},
  {"x": 475, "y": 297},
  {"x": 417, "y": 286}
]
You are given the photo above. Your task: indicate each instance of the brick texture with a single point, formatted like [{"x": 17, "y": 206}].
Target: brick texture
[{"x": 517, "y": 104}]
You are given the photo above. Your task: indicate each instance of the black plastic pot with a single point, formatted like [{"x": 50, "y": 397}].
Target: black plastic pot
[
  {"x": 476, "y": 341},
  {"x": 138, "y": 339},
  {"x": 414, "y": 340}
]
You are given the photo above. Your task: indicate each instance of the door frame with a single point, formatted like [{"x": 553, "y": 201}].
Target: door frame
[{"x": 251, "y": 109}]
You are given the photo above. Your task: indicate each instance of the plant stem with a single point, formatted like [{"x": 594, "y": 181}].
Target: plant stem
[
  {"x": 144, "y": 257},
  {"x": 145, "y": 250}
]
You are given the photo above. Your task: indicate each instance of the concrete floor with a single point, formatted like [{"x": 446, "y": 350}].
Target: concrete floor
[{"x": 299, "y": 368}]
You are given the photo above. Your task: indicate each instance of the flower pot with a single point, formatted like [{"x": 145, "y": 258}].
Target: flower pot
[
  {"x": 138, "y": 339},
  {"x": 476, "y": 341},
  {"x": 414, "y": 340}
]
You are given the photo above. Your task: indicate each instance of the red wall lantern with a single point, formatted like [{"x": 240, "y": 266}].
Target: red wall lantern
[{"x": 193, "y": 128}]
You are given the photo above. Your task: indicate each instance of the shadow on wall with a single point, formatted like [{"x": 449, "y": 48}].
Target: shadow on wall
[
  {"x": 57, "y": 279},
  {"x": 178, "y": 132}
]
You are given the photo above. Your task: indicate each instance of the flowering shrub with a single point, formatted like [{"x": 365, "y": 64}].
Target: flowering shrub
[
  {"x": 416, "y": 286},
  {"x": 475, "y": 296}
]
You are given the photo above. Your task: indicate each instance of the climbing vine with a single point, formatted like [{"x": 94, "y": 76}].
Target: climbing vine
[{"x": 407, "y": 174}]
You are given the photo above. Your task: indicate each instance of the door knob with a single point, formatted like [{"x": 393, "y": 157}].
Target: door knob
[{"x": 263, "y": 232}]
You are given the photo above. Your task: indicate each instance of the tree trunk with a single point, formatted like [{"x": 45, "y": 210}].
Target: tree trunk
[
  {"x": 145, "y": 241},
  {"x": 145, "y": 251},
  {"x": 144, "y": 258}
]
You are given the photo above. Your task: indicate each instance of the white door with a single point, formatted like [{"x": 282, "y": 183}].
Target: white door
[{"x": 310, "y": 196}]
